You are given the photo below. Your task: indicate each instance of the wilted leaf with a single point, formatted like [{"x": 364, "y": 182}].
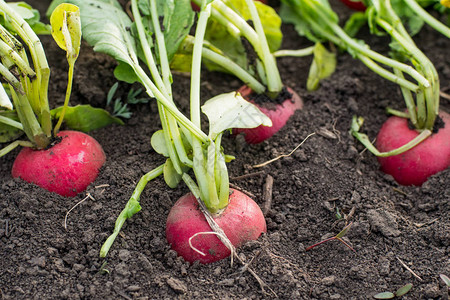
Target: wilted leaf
[{"x": 66, "y": 29}]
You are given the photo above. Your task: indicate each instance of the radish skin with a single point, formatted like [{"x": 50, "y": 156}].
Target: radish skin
[
  {"x": 355, "y": 5},
  {"x": 66, "y": 168},
  {"x": 414, "y": 166},
  {"x": 242, "y": 221},
  {"x": 278, "y": 113}
]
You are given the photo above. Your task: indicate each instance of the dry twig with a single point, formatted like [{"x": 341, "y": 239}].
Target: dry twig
[
  {"x": 88, "y": 195},
  {"x": 283, "y": 155},
  {"x": 408, "y": 268}
]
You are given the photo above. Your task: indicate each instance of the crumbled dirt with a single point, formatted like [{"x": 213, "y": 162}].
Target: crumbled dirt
[{"x": 330, "y": 172}]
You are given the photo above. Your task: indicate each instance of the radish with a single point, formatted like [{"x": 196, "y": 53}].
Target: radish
[
  {"x": 414, "y": 166},
  {"x": 181, "y": 140},
  {"x": 418, "y": 82},
  {"x": 66, "y": 168},
  {"x": 279, "y": 113},
  {"x": 61, "y": 162},
  {"x": 242, "y": 221},
  {"x": 356, "y": 5}
]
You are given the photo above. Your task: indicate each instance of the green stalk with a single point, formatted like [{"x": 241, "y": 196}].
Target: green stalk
[
  {"x": 378, "y": 57},
  {"x": 41, "y": 68},
  {"x": 364, "y": 139},
  {"x": 167, "y": 80},
  {"x": 274, "y": 83},
  {"x": 246, "y": 30},
  {"x": 257, "y": 39},
  {"x": 227, "y": 64},
  {"x": 11, "y": 79},
  {"x": 171, "y": 132},
  {"x": 429, "y": 19},
  {"x": 341, "y": 39},
  {"x": 6, "y": 50},
  {"x": 131, "y": 208},
  {"x": 204, "y": 180},
  {"x": 11, "y": 122},
  {"x": 429, "y": 113},
  {"x": 233, "y": 30},
  {"x": 221, "y": 175},
  {"x": 67, "y": 97},
  {"x": 411, "y": 144},
  {"x": 13, "y": 146},
  {"x": 153, "y": 90},
  {"x": 234, "y": 69},
  {"x": 409, "y": 101},
  {"x": 28, "y": 119},
  {"x": 172, "y": 153},
  {"x": 163, "y": 60},
  {"x": 296, "y": 53},
  {"x": 395, "y": 78}
]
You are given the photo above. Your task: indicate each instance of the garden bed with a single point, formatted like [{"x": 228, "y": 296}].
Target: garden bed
[{"x": 392, "y": 225}]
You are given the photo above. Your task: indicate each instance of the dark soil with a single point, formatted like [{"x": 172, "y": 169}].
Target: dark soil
[{"x": 329, "y": 172}]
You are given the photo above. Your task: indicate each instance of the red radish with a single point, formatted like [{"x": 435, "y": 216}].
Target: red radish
[
  {"x": 278, "y": 113},
  {"x": 242, "y": 221},
  {"x": 66, "y": 168},
  {"x": 414, "y": 166},
  {"x": 356, "y": 5}
]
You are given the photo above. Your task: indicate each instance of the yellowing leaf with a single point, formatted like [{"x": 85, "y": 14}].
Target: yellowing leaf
[
  {"x": 445, "y": 3},
  {"x": 66, "y": 29}
]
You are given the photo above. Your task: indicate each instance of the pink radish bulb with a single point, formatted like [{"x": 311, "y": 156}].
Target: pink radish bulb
[
  {"x": 278, "y": 113},
  {"x": 66, "y": 168},
  {"x": 414, "y": 166},
  {"x": 242, "y": 221}
]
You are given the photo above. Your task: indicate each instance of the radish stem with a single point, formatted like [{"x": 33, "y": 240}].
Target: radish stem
[{"x": 131, "y": 208}]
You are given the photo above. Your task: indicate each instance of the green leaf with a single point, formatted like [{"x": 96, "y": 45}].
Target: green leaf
[
  {"x": 323, "y": 65},
  {"x": 291, "y": 13},
  {"x": 158, "y": 143},
  {"x": 403, "y": 290},
  {"x": 9, "y": 133},
  {"x": 124, "y": 72},
  {"x": 86, "y": 118},
  {"x": 384, "y": 295},
  {"x": 231, "y": 110},
  {"x": 270, "y": 20},
  {"x": 177, "y": 19},
  {"x": 344, "y": 231},
  {"x": 171, "y": 177},
  {"x": 408, "y": 17},
  {"x": 66, "y": 29},
  {"x": 445, "y": 279},
  {"x": 354, "y": 23}
]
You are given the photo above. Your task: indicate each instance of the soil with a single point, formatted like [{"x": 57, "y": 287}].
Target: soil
[{"x": 400, "y": 234}]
